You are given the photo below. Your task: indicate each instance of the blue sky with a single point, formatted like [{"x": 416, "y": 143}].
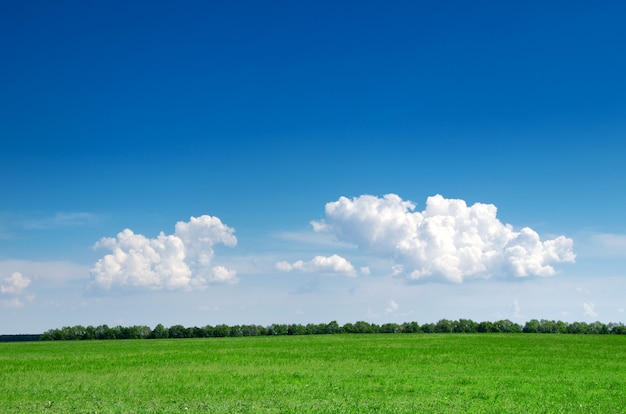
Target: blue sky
[{"x": 247, "y": 123}]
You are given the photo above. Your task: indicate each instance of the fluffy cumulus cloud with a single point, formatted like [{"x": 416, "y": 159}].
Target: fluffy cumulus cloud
[
  {"x": 14, "y": 288},
  {"x": 183, "y": 260},
  {"x": 448, "y": 240},
  {"x": 14, "y": 284},
  {"x": 321, "y": 264}
]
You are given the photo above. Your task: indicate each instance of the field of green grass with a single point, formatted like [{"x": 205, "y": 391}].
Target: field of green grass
[{"x": 402, "y": 373}]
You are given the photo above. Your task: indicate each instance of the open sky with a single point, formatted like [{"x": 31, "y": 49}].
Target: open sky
[{"x": 244, "y": 162}]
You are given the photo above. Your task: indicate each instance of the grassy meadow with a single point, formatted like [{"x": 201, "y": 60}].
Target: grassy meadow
[{"x": 381, "y": 373}]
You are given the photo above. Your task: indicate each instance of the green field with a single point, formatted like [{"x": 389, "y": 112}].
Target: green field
[{"x": 401, "y": 373}]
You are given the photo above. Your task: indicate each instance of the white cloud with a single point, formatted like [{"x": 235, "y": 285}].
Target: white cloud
[
  {"x": 183, "y": 260},
  {"x": 396, "y": 270},
  {"x": 392, "y": 307},
  {"x": 448, "y": 240},
  {"x": 222, "y": 274},
  {"x": 12, "y": 303},
  {"x": 46, "y": 272},
  {"x": 284, "y": 266},
  {"x": 589, "y": 310},
  {"x": 14, "y": 284},
  {"x": 321, "y": 264}
]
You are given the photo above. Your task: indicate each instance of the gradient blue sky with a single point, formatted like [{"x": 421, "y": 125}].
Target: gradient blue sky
[{"x": 139, "y": 115}]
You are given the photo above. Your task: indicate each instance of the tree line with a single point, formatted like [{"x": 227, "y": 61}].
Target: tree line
[
  {"x": 80, "y": 332},
  {"x": 20, "y": 338}
]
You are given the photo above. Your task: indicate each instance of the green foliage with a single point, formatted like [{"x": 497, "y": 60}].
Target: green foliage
[
  {"x": 159, "y": 332},
  {"x": 360, "y": 327},
  {"x": 385, "y": 373}
]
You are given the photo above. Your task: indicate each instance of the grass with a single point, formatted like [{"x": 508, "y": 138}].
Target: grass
[{"x": 402, "y": 373}]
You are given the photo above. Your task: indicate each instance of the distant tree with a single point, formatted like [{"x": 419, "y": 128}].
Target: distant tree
[
  {"x": 318, "y": 328},
  {"x": 245, "y": 330},
  {"x": 333, "y": 327},
  {"x": 577, "y": 328},
  {"x": 428, "y": 328},
  {"x": 210, "y": 331},
  {"x": 363, "y": 327},
  {"x": 390, "y": 328},
  {"x": 249, "y": 330},
  {"x": 104, "y": 332},
  {"x": 516, "y": 328},
  {"x": 67, "y": 333},
  {"x": 410, "y": 327},
  {"x": 597, "y": 328},
  {"x": 532, "y": 326},
  {"x": 199, "y": 332},
  {"x": 121, "y": 332},
  {"x": 466, "y": 326},
  {"x": 296, "y": 329},
  {"x": 546, "y": 326},
  {"x": 128, "y": 332},
  {"x": 310, "y": 329},
  {"x": 551, "y": 326},
  {"x": 116, "y": 332},
  {"x": 46, "y": 336},
  {"x": 349, "y": 328},
  {"x": 560, "y": 327},
  {"x": 51, "y": 335},
  {"x": 79, "y": 332},
  {"x": 443, "y": 326},
  {"x": 277, "y": 329},
  {"x": 221, "y": 331},
  {"x": 159, "y": 332},
  {"x": 177, "y": 331},
  {"x": 236, "y": 331},
  {"x": 134, "y": 332},
  {"x": 506, "y": 326},
  {"x": 485, "y": 326},
  {"x": 90, "y": 332},
  {"x": 617, "y": 328}
]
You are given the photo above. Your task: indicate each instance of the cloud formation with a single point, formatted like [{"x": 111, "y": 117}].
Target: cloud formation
[
  {"x": 180, "y": 261},
  {"x": 589, "y": 310},
  {"x": 448, "y": 240},
  {"x": 321, "y": 264},
  {"x": 392, "y": 307},
  {"x": 14, "y": 284},
  {"x": 15, "y": 287}
]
